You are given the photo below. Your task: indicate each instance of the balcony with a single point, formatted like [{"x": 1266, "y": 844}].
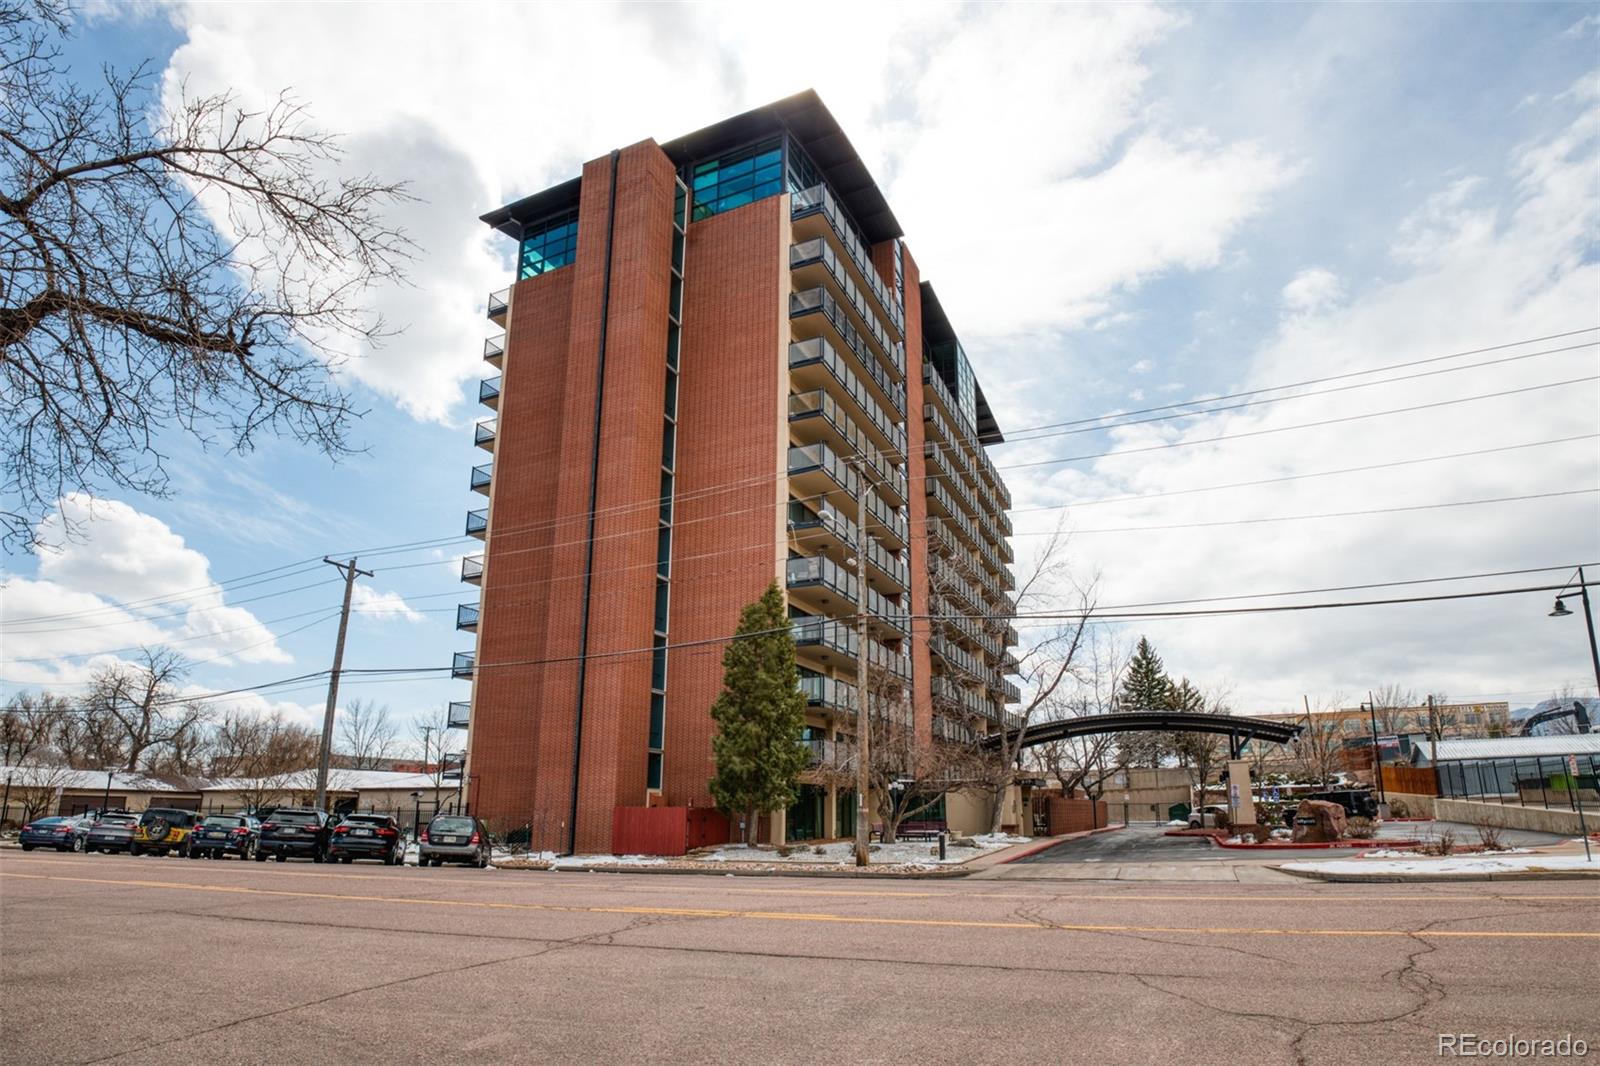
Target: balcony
[
  {"x": 494, "y": 350},
  {"x": 815, "y": 313},
  {"x": 950, "y": 729},
  {"x": 1011, "y": 637},
  {"x": 817, "y": 472},
  {"x": 489, "y": 393},
  {"x": 821, "y": 531},
  {"x": 958, "y": 658},
  {"x": 815, "y": 364},
  {"x": 886, "y": 619},
  {"x": 472, "y": 569},
  {"x": 826, "y": 639},
  {"x": 1010, "y": 664},
  {"x": 814, "y": 263},
  {"x": 947, "y": 692},
  {"x": 818, "y": 203},
  {"x": 467, "y": 617},
  {"x": 461, "y": 667},
  {"x": 891, "y": 524},
  {"x": 883, "y": 659},
  {"x": 817, "y": 415},
  {"x": 819, "y": 583},
  {"x": 828, "y": 693},
  {"x": 452, "y": 765},
  {"x": 886, "y": 571},
  {"x": 481, "y": 477},
  {"x": 478, "y": 524},
  {"x": 499, "y": 307},
  {"x": 459, "y": 715},
  {"x": 1012, "y": 693},
  {"x": 483, "y": 433}
]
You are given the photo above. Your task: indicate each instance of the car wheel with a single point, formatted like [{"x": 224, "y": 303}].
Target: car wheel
[
  {"x": 261, "y": 857},
  {"x": 317, "y": 856},
  {"x": 346, "y": 859},
  {"x": 134, "y": 849},
  {"x": 27, "y": 847},
  {"x": 193, "y": 854},
  {"x": 80, "y": 844},
  {"x": 483, "y": 862},
  {"x": 281, "y": 857}
]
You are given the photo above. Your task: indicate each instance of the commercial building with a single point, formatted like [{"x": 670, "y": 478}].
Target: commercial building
[{"x": 720, "y": 367}]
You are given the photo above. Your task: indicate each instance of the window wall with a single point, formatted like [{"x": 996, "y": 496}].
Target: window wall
[{"x": 547, "y": 245}]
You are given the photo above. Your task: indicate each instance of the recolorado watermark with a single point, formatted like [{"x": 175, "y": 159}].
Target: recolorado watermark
[{"x": 1473, "y": 1046}]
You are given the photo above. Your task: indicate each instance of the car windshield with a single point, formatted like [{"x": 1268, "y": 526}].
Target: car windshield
[
  {"x": 450, "y": 825},
  {"x": 166, "y": 816},
  {"x": 218, "y": 821},
  {"x": 47, "y": 821},
  {"x": 117, "y": 819},
  {"x": 296, "y": 817},
  {"x": 367, "y": 819}
]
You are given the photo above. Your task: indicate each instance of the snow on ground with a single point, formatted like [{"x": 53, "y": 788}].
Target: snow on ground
[
  {"x": 1179, "y": 822},
  {"x": 1500, "y": 863},
  {"x": 569, "y": 862},
  {"x": 900, "y": 853}
]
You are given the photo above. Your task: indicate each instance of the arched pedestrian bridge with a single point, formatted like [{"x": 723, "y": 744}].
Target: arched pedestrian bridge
[{"x": 1237, "y": 729}]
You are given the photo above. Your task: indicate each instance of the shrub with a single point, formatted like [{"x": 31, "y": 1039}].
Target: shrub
[
  {"x": 1360, "y": 828},
  {"x": 1489, "y": 838},
  {"x": 1443, "y": 843},
  {"x": 1399, "y": 809}
]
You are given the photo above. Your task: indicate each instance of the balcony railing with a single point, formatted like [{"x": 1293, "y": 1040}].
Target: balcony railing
[
  {"x": 459, "y": 715},
  {"x": 467, "y": 616},
  {"x": 483, "y": 433},
  {"x": 481, "y": 477},
  {"x": 817, "y": 351},
  {"x": 891, "y": 615},
  {"x": 499, "y": 304},
  {"x": 818, "y": 250},
  {"x": 1013, "y": 694},
  {"x": 818, "y": 201},
  {"x": 804, "y": 521},
  {"x": 494, "y": 350},
  {"x": 820, "y": 301},
  {"x": 951, "y": 729},
  {"x": 829, "y": 693},
  {"x": 948, "y": 692},
  {"x": 895, "y": 569},
  {"x": 826, "y": 633},
  {"x": 452, "y": 765},
  {"x": 823, "y": 572},
  {"x": 478, "y": 524},
  {"x": 896, "y": 663},
  {"x": 472, "y": 569},
  {"x": 489, "y": 393},
  {"x": 819, "y": 404},
  {"x": 804, "y": 458},
  {"x": 461, "y": 666},
  {"x": 892, "y": 520}
]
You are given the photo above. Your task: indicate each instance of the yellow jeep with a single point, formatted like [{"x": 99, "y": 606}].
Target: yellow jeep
[{"x": 162, "y": 830}]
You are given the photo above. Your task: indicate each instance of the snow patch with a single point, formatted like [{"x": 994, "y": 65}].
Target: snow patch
[{"x": 1455, "y": 864}]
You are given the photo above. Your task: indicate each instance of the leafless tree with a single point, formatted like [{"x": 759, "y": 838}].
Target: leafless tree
[
  {"x": 27, "y": 723},
  {"x": 905, "y": 778},
  {"x": 38, "y": 788},
  {"x": 182, "y": 265},
  {"x": 367, "y": 735},
  {"x": 269, "y": 754},
  {"x": 1393, "y": 706},
  {"x": 141, "y": 704},
  {"x": 1317, "y": 750},
  {"x": 1201, "y": 754},
  {"x": 431, "y": 731},
  {"x": 1087, "y": 762},
  {"x": 87, "y": 738}
]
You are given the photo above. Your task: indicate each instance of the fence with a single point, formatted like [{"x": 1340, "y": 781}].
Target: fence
[
  {"x": 1412, "y": 780},
  {"x": 1545, "y": 781}
]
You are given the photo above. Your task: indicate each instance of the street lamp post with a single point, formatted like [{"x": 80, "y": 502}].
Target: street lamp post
[
  {"x": 1561, "y": 610},
  {"x": 416, "y": 816},
  {"x": 106, "y": 801},
  {"x": 1377, "y": 760}
]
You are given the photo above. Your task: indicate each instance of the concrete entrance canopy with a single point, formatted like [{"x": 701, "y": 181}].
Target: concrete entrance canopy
[{"x": 1235, "y": 727}]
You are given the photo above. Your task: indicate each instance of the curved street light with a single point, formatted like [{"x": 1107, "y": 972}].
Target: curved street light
[{"x": 1561, "y": 610}]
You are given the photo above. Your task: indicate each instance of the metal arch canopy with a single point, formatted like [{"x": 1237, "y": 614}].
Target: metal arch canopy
[{"x": 1237, "y": 727}]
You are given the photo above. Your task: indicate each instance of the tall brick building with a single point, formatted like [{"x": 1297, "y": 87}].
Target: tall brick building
[{"x": 714, "y": 348}]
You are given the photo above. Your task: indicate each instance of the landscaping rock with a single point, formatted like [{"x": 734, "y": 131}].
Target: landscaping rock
[
  {"x": 963, "y": 842},
  {"x": 1318, "y": 822}
]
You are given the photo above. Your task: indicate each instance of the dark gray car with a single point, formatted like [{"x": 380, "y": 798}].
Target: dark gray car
[
  {"x": 454, "y": 838},
  {"x": 112, "y": 831}
]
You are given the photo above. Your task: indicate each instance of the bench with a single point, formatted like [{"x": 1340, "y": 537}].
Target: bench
[{"x": 919, "y": 830}]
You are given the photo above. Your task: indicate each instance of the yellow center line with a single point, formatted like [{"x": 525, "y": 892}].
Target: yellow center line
[
  {"x": 952, "y": 892},
  {"x": 804, "y": 916}
]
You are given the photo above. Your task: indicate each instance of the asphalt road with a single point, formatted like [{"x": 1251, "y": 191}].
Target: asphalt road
[
  {"x": 1148, "y": 843},
  {"x": 148, "y": 960}
]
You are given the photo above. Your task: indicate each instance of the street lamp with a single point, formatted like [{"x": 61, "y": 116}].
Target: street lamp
[
  {"x": 416, "y": 815},
  {"x": 106, "y": 801},
  {"x": 1561, "y": 610}
]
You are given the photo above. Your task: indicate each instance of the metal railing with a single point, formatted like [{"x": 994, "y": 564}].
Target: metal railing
[
  {"x": 472, "y": 569},
  {"x": 807, "y": 457},
  {"x": 489, "y": 392},
  {"x": 818, "y": 250},
  {"x": 459, "y": 715},
  {"x": 477, "y": 523},
  {"x": 819, "y": 570},
  {"x": 481, "y": 477},
  {"x": 829, "y": 692},
  {"x": 461, "y": 666},
  {"x": 484, "y": 432},
  {"x": 499, "y": 303},
  {"x": 818, "y": 351},
  {"x": 820, "y": 404},
  {"x": 466, "y": 616},
  {"x": 818, "y": 200},
  {"x": 820, "y": 301}
]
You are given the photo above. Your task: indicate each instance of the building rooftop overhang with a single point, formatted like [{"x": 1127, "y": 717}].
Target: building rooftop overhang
[
  {"x": 936, "y": 329},
  {"x": 803, "y": 116}
]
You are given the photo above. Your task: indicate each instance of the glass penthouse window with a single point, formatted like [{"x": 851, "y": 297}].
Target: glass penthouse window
[
  {"x": 742, "y": 176},
  {"x": 548, "y": 244}
]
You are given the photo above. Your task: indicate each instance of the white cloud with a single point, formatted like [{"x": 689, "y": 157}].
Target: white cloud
[
  {"x": 1470, "y": 270},
  {"x": 382, "y": 606},
  {"x": 96, "y": 592},
  {"x": 1080, "y": 183},
  {"x": 1313, "y": 289},
  {"x": 1143, "y": 366}
]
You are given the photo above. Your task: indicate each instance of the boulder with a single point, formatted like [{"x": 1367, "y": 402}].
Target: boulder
[{"x": 1318, "y": 822}]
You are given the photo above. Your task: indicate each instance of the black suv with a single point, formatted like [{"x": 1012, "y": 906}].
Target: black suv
[
  {"x": 220, "y": 834},
  {"x": 368, "y": 836},
  {"x": 1357, "y": 803},
  {"x": 299, "y": 831}
]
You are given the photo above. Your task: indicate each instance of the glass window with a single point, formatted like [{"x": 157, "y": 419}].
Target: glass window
[
  {"x": 658, "y": 664},
  {"x": 661, "y": 606},
  {"x": 742, "y": 176},
  {"x": 547, "y": 245},
  {"x": 672, "y": 395},
  {"x": 653, "y": 771},
  {"x": 658, "y": 718},
  {"x": 669, "y": 440}
]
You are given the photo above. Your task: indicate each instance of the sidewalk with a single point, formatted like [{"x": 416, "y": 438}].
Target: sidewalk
[{"x": 1563, "y": 862}]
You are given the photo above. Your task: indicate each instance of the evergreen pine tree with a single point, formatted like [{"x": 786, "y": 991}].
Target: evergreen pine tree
[
  {"x": 1145, "y": 687},
  {"x": 759, "y": 715}
]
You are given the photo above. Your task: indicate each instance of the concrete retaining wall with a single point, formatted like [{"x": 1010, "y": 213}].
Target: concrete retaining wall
[
  {"x": 1416, "y": 806},
  {"x": 1533, "y": 818}
]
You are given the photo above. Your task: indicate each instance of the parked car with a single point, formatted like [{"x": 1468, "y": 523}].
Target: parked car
[
  {"x": 163, "y": 830},
  {"x": 294, "y": 831},
  {"x": 1357, "y": 803},
  {"x": 1207, "y": 817},
  {"x": 454, "y": 838},
  {"x": 112, "y": 831},
  {"x": 58, "y": 831},
  {"x": 367, "y": 836},
  {"x": 223, "y": 834}
]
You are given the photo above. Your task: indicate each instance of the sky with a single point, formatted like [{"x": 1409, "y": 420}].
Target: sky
[{"x": 1121, "y": 207}]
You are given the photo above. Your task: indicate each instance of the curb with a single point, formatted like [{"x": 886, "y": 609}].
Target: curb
[
  {"x": 849, "y": 873},
  {"x": 1353, "y": 845}
]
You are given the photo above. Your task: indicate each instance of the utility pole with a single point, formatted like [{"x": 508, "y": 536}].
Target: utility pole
[
  {"x": 326, "y": 748},
  {"x": 1433, "y": 733},
  {"x": 438, "y": 770},
  {"x": 1377, "y": 762},
  {"x": 863, "y": 713}
]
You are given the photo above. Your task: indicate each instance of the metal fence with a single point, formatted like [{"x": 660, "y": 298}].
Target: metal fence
[{"x": 1544, "y": 781}]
